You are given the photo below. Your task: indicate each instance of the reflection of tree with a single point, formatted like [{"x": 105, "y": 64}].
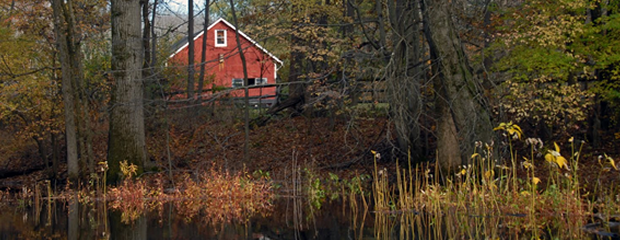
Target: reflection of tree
[
  {"x": 135, "y": 230},
  {"x": 74, "y": 220}
]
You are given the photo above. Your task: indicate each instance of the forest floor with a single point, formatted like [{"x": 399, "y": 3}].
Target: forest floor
[{"x": 319, "y": 146}]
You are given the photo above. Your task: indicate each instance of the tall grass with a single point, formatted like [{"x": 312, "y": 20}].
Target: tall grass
[{"x": 487, "y": 199}]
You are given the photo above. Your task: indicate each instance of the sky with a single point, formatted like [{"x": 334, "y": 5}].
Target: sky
[{"x": 182, "y": 4}]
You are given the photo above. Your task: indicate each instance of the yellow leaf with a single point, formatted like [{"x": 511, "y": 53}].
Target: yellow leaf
[
  {"x": 501, "y": 126},
  {"x": 611, "y": 162},
  {"x": 474, "y": 155},
  {"x": 517, "y": 129},
  {"x": 549, "y": 157},
  {"x": 535, "y": 180},
  {"x": 561, "y": 161},
  {"x": 557, "y": 148}
]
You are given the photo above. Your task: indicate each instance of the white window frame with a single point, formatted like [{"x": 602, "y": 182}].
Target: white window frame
[
  {"x": 237, "y": 80},
  {"x": 216, "y": 40},
  {"x": 257, "y": 81},
  {"x": 263, "y": 81}
]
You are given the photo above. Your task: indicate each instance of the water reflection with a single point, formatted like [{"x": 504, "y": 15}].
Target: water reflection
[
  {"x": 73, "y": 220},
  {"x": 291, "y": 218}
]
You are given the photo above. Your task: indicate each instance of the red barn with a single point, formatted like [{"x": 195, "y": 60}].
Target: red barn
[{"x": 223, "y": 62}]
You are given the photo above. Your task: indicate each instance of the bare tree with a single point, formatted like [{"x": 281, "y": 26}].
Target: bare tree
[{"x": 127, "y": 140}]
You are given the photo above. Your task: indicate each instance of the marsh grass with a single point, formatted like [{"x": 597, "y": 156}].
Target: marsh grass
[{"x": 489, "y": 200}]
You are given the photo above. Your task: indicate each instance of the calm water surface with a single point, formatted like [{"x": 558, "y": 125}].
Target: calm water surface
[{"x": 289, "y": 219}]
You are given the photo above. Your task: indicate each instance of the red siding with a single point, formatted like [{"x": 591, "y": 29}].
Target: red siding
[{"x": 259, "y": 64}]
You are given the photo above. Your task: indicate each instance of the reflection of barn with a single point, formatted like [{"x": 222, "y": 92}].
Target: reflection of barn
[{"x": 224, "y": 63}]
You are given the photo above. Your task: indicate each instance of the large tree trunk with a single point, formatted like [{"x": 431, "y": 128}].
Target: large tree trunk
[
  {"x": 75, "y": 102},
  {"x": 126, "y": 141},
  {"x": 463, "y": 115}
]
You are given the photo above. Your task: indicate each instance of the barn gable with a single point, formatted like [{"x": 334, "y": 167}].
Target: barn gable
[{"x": 184, "y": 43}]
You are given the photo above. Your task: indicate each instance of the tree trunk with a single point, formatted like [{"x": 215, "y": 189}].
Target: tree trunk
[
  {"x": 146, "y": 36},
  {"x": 72, "y": 76},
  {"x": 147, "y": 67},
  {"x": 403, "y": 76},
  {"x": 462, "y": 111},
  {"x": 154, "y": 37},
  {"x": 246, "y": 147},
  {"x": 190, "y": 56},
  {"x": 297, "y": 91},
  {"x": 203, "y": 53},
  {"x": 126, "y": 134}
]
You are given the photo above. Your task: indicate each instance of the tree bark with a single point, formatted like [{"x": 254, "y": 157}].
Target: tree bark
[
  {"x": 68, "y": 46},
  {"x": 190, "y": 57},
  {"x": 126, "y": 134},
  {"x": 203, "y": 53},
  {"x": 463, "y": 115}
]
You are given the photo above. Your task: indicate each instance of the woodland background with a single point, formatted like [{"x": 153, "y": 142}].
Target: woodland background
[{"x": 412, "y": 79}]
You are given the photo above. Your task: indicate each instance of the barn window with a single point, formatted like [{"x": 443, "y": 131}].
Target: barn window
[
  {"x": 220, "y": 38},
  {"x": 237, "y": 82},
  {"x": 261, "y": 81},
  {"x": 256, "y": 81}
]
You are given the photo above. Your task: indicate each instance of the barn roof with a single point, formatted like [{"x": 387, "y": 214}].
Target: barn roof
[{"x": 183, "y": 43}]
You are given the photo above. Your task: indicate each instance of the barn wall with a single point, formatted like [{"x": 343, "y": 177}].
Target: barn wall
[{"x": 259, "y": 64}]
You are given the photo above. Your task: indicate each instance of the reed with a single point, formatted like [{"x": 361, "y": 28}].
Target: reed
[{"x": 486, "y": 199}]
